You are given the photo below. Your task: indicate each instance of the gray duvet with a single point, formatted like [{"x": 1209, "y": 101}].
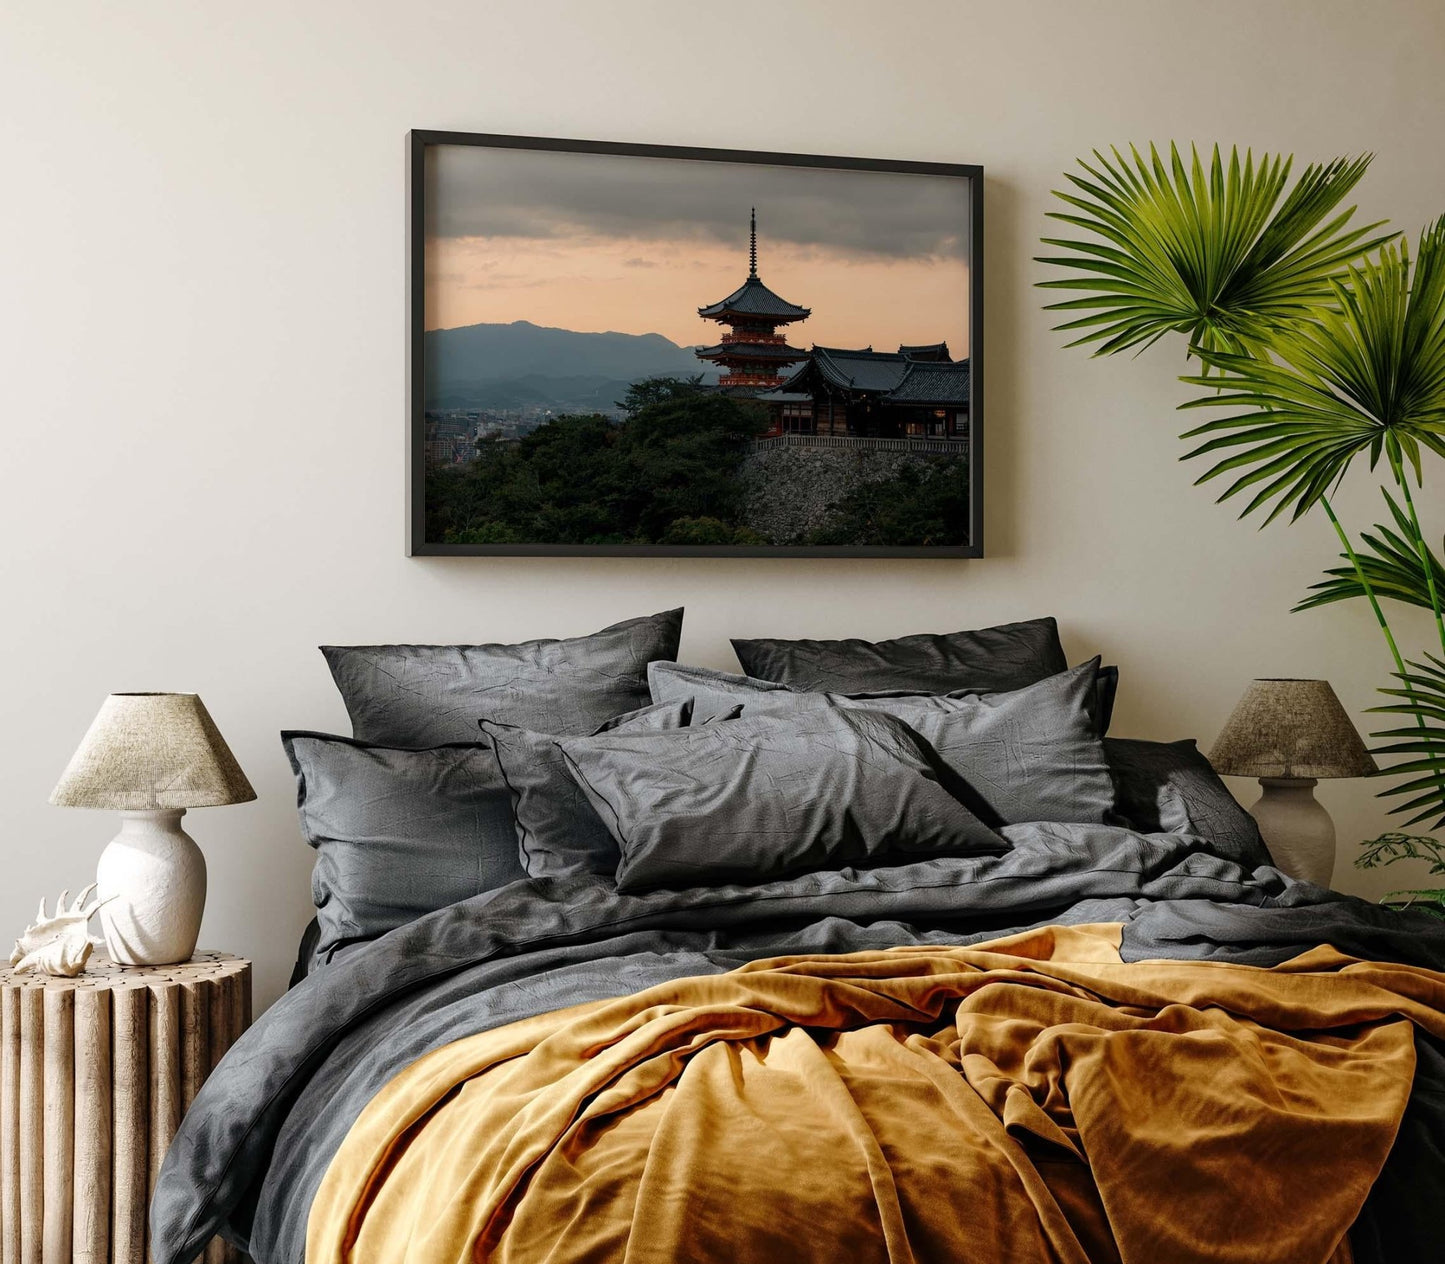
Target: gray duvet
[{"x": 254, "y": 1146}]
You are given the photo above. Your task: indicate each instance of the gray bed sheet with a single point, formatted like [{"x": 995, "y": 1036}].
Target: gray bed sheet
[{"x": 252, "y": 1150}]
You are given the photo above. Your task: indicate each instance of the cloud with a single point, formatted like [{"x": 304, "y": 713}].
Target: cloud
[{"x": 473, "y": 191}]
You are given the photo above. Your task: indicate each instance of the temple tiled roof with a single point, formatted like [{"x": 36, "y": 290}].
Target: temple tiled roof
[
  {"x": 752, "y": 351},
  {"x": 753, "y": 298},
  {"x": 927, "y": 382},
  {"x": 878, "y": 371},
  {"x": 892, "y": 375},
  {"x": 927, "y": 351}
]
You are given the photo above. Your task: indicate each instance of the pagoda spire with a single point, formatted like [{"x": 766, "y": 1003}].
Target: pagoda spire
[{"x": 752, "y": 354}]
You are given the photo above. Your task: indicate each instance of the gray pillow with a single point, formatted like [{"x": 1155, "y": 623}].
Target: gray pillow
[
  {"x": 427, "y": 695},
  {"x": 989, "y": 660},
  {"x": 1106, "y": 689},
  {"x": 398, "y": 833},
  {"x": 714, "y": 693},
  {"x": 1030, "y": 754},
  {"x": 912, "y": 665},
  {"x": 557, "y": 830},
  {"x": 764, "y": 795},
  {"x": 1170, "y": 788}
]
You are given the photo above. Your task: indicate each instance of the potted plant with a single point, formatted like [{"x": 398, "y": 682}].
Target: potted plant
[{"x": 1322, "y": 344}]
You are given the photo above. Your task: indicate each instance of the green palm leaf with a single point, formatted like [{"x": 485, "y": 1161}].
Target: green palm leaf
[
  {"x": 1367, "y": 377},
  {"x": 1213, "y": 254},
  {"x": 1392, "y": 566},
  {"x": 1421, "y": 746},
  {"x": 1396, "y": 846}
]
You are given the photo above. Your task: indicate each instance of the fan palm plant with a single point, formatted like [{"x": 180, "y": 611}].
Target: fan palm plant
[
  {"x": 1366, "y": 378},
  {"x": 1319, "y": 356},
  {"x": 1390, "y": 563},
  {"x": 1366, "y": 375},
  {"x": 1215, "y": 255}
]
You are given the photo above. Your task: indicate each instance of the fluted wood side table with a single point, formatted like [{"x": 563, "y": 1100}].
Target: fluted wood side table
[{"x": 95, "y": 1073}]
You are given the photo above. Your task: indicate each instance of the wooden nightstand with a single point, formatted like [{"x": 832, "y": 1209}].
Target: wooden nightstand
[{"x": 95, "y": 1073}]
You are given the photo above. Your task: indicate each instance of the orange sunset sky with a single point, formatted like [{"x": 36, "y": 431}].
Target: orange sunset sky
[{"x": 636, "y": 245}]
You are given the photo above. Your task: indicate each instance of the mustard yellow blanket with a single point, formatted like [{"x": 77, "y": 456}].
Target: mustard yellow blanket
[{"x": 1031, "y": 1099}]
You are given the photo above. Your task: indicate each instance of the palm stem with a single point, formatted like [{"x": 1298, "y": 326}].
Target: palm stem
[
  {"x": 1366, "y": 585},
  {"x": 1418, "y": 539},
  {"x": 1421, "y": 548},
  {"x": 1374, "y": 601}
]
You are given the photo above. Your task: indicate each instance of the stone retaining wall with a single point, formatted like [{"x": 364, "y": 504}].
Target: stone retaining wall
[{"x": 789, "y": 492}]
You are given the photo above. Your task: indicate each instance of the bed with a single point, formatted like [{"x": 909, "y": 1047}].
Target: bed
[{"x": 808, "y": 963}]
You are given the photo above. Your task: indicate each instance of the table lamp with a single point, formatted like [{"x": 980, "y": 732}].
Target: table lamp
[
  {"x": 151, "y": 756},
  {"x": 1290, "y": 734}
]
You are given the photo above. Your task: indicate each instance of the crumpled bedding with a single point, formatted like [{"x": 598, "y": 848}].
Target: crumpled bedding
[
  {"x": 256, "y": 1145},
  {"x": 1034, "y": 1098}
]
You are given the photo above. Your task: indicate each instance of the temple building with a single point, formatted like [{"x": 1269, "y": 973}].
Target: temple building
[
  {"x": 916, "y": 392},
  {"x": 752, "y": 354}
]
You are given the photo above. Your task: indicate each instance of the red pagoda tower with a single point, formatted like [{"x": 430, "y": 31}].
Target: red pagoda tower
[{"x": 752, "y": 353}]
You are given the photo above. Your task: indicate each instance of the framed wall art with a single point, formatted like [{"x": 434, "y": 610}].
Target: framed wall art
[{"x": 653, "y": 350}]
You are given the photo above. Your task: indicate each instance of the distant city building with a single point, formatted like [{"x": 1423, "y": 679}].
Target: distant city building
[
  {"x": 752, "y": 354},
  {"x": 451, "y": 439}
]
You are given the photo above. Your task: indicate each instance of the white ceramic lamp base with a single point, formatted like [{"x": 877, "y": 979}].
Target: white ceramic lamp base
[
  {"x": 1296, "y": 828},
  {"x": 153, "y": 877}
]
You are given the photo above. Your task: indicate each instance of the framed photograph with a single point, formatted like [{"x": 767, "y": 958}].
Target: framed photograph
[{"x": 651, "y": 350}]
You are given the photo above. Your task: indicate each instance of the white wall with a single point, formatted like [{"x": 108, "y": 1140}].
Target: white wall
[{"x": 201, "y": 356}]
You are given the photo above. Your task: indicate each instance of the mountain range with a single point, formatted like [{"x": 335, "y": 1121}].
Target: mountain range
[{"x": 522, "y": 365}]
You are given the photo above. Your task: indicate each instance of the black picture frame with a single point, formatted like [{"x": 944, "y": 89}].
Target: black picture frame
[{"x": 416, "y": 543}]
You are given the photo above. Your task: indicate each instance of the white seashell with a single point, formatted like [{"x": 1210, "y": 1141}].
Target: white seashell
[{"x": 60, "y": 944}]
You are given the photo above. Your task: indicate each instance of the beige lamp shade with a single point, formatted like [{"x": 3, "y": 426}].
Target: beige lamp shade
[
  {"x": 148, "y": 751},
  {"x": 1293, "y": 729}
]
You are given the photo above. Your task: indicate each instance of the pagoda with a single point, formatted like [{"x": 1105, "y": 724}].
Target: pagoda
[{"x": 752, "y": 354}]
